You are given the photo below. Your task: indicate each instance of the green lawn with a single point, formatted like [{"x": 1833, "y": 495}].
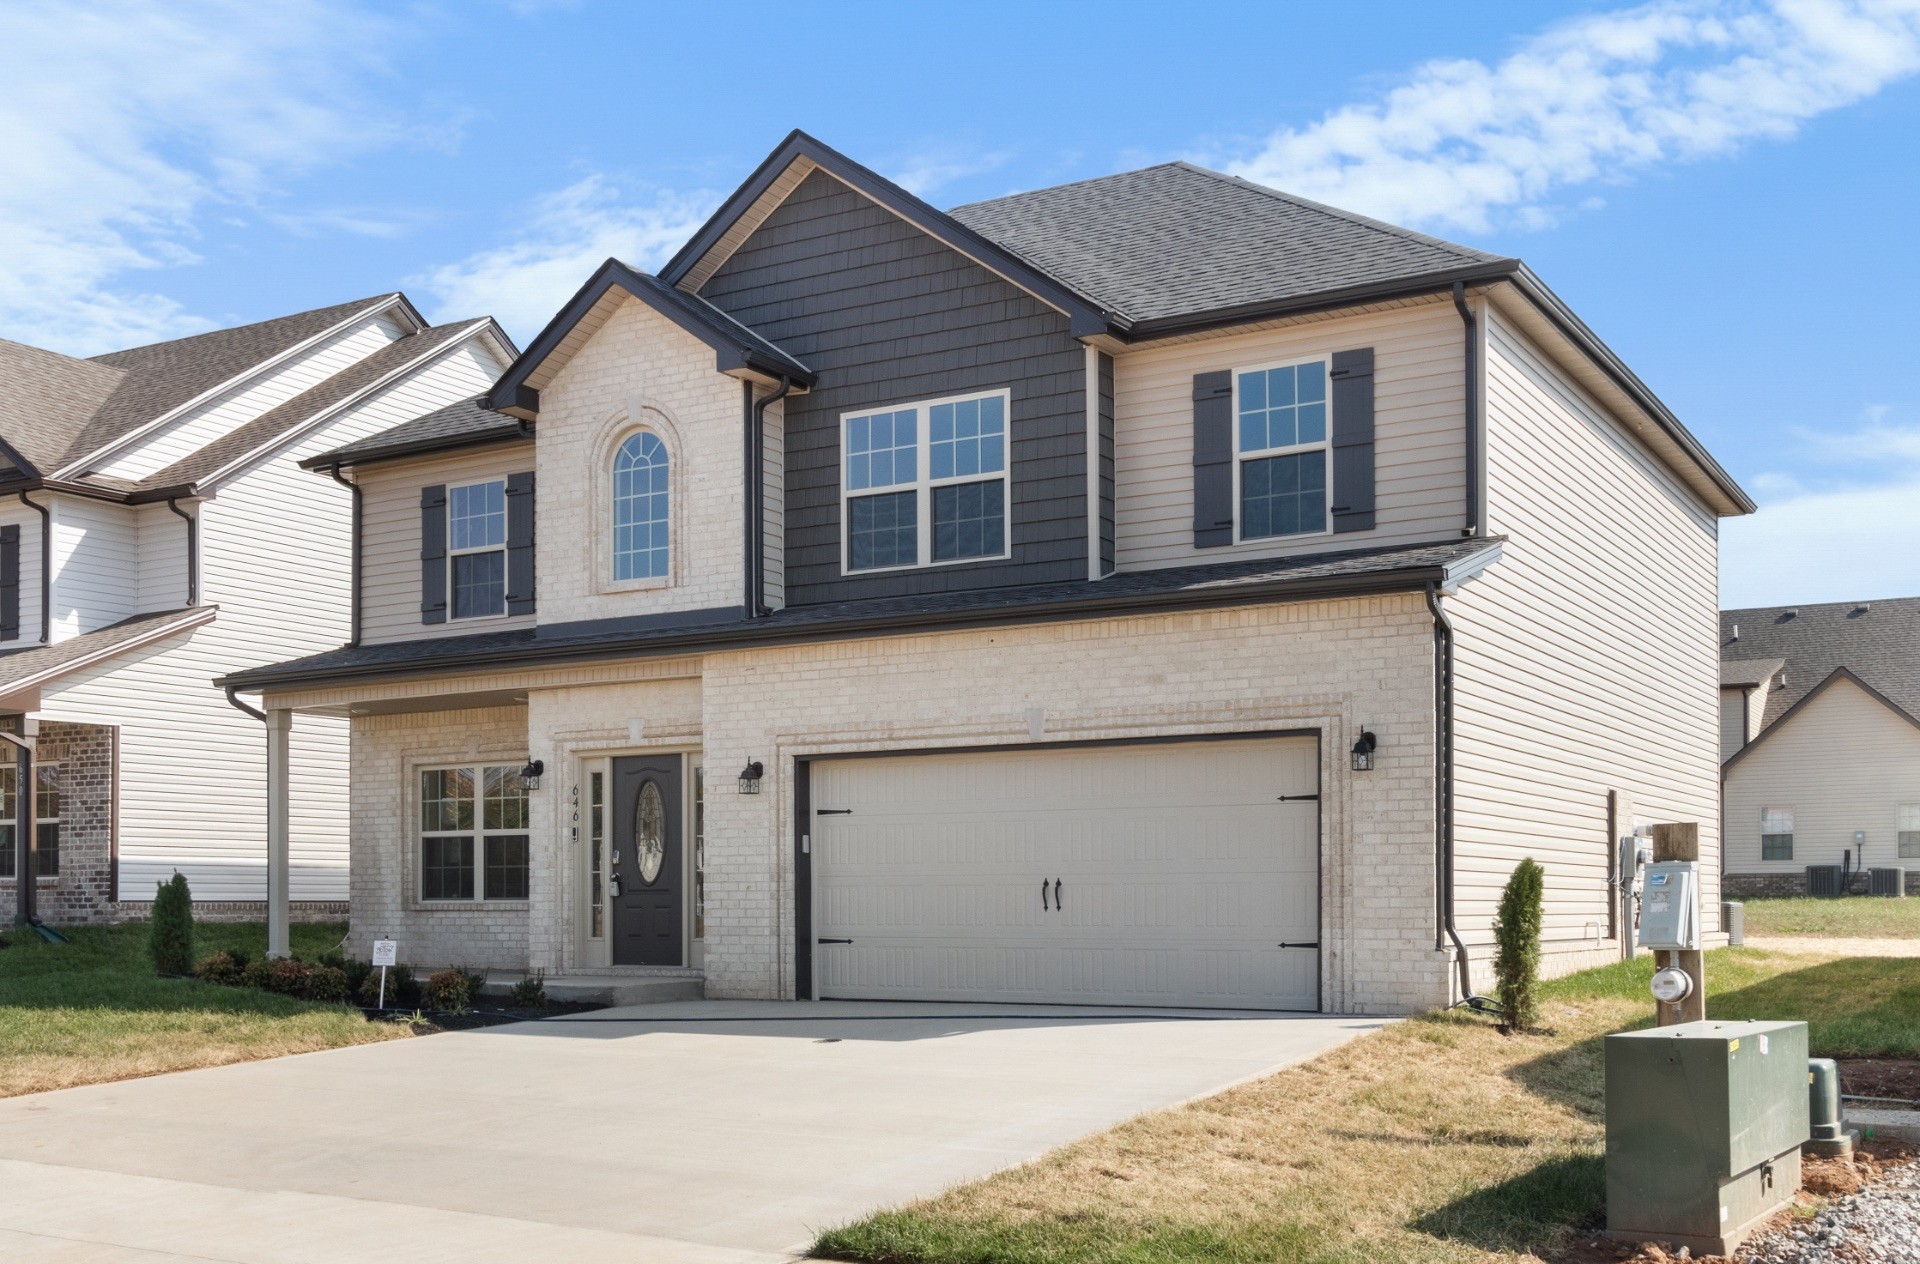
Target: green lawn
[
  {"x": 94, "y": 1010},
  {"x": 1855, "y": 917},
  {"x": 1436, "y": 1140}
]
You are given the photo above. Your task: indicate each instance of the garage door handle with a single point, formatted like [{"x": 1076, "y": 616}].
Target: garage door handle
[
  {"x": 1043, "y": 895},
  {"x": 1057, "y": 906}
]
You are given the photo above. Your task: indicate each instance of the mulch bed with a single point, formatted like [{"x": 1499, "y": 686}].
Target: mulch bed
[
  {"x": 1896, "y": 1078},
  {"x": 438, "y": 1020}
]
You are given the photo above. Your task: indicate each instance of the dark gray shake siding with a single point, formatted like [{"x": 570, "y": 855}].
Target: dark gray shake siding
[{"x": 885, "y": 314}]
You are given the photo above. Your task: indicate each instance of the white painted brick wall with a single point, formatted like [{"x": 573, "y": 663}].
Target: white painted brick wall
[{"x": 639, "y": 370}]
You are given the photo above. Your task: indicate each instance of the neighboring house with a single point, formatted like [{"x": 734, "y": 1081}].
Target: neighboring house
[
  {"x": 156, "y": 531},
  {"x": 1826, "y": 770},
  {"x": 999, "y": 604}
]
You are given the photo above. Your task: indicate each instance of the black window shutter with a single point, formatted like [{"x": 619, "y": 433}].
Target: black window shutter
[
  {"x": 433, "y": 553},
  {"x": 10, "y": 583},
  {"x": 1212, "y": 459},
  {"x": 520, "y": 543},
  {"x": 1352, "y": 386}
]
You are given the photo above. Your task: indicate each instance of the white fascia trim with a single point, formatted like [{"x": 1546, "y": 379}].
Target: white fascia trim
[
  {"x": 1469, "y": 567},
  {"x": 376, "y": 308},
  {"x": 307, "y": 427},
  {"x": 192, "y": 619}
]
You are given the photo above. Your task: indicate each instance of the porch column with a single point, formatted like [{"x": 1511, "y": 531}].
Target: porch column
[{"x": 279, "y": 739}]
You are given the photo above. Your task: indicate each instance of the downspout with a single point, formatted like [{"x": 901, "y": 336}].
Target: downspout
[
  {"x": 1476, "y": 527},
  {"x": 193, "y": 550},
  {"x": 46, "y": 568},
  {"x": 353, "y": 601},
  {"x": 1443, "y": 792},
  {"x": 756, "y": 496},
  {"x": 253, "y": 711}
]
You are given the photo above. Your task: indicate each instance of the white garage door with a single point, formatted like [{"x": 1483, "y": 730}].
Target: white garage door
[{"x": 1143, "y": 875}]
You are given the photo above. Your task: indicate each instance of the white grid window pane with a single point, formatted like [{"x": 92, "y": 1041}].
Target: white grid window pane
[
  {"x": 1283, "y": 408},
  {"x": 967, "y": 437},
  {"x": 1776, "y": 820},
  {"x": 477, "y": 516},
  {"x": 882, "y": 449},
  {"x": 640, "y": 508}
]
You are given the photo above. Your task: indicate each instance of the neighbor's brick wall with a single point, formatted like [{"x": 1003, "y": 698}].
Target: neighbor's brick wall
[
  {"x": 1332, "y": 666},
  {"x": 1768, "y": 886},
  {"x": 83, "y": 893},
  {"x": 639, "y": 370},
  {"x": 385, "y": 885}
]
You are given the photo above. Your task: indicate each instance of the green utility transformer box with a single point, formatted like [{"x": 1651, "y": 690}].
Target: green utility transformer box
[{"x": 1704, "y": 1125}]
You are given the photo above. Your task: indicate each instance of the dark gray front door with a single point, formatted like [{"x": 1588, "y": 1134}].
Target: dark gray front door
[{"x": 647, "y": 867}]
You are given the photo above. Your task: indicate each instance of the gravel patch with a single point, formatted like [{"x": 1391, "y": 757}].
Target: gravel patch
[{"x": 1878, "y": 1225}]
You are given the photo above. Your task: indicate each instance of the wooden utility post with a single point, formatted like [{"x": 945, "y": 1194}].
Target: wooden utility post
[{"x": 1680, "y": 840}]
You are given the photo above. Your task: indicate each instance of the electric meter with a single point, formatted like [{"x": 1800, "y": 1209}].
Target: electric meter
[{"x": 1671, "y": 985}]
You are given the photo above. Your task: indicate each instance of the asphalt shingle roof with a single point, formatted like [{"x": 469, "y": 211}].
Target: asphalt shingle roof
[
  {"x": 277, "y": 421},
  {"x": 40, "y": 661},
  {"x": 460, "y": 423},
  {"x": 48, "y": 399},
  {"x": 1179, "y": 240},
  {"x": 1254, "y": 580},
  {"x": 1878, "y": 641}
]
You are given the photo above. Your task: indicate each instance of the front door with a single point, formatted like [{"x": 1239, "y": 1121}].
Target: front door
[{"x": 645, "y": 861}]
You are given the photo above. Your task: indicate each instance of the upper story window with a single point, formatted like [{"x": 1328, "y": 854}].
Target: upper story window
[
  {"x": 925, "y": 483},
  {"x": 640, "y": 504},
  {"x": 1909, "y": 831},
  {"x": 477, "y": 549},
  {"x": 1282, "y": 453}
]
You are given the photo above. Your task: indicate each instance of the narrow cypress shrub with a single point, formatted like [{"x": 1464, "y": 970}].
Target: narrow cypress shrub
[
  {"x": 172, "y": 939},
  {"x": 1517, "y": 932}
]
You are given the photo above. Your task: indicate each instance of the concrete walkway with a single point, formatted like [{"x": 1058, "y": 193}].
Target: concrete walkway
[{"x": 707, "y": 1132}]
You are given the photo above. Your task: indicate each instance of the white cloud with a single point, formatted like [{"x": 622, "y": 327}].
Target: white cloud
[
  {"x": 126, "y": 121},
  {"x": 568, "y": 234},
  {"x": 1841, "y": 538},
  {"x": 920, "y": 174},
  {"x": 1465, "y": 144}
]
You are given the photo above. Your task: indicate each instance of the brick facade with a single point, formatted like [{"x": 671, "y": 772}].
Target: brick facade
[
  {"x": 1773, "y": 886},
  {"x": 83, "y": 891}
]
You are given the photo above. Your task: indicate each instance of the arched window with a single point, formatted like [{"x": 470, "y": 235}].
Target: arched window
[{"x": 640, "y": 508}]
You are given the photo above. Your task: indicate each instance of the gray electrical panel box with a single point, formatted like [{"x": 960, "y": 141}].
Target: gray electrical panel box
[
  {"x": 1670, "y": 906},
  {"x": 1704, "y": 1126}
]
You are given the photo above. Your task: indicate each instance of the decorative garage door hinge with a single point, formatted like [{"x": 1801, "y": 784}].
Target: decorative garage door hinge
[
  {"x": 1299, "y": 798},
  {"x": 833, "y": 941},
  {"x": 1315, "y": 945},
  {"x": 833, "y": 811}
]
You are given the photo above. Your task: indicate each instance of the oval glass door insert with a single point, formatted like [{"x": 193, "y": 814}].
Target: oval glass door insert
[{"x": 650, "y": 832}]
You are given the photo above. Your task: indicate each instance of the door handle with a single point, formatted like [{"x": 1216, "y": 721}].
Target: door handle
[
  {"x": 1043, "y": 895},
  {"x": 1057, "y": 906}
]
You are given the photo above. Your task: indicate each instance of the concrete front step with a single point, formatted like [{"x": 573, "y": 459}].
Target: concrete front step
[{"x": 625, "y": 989}]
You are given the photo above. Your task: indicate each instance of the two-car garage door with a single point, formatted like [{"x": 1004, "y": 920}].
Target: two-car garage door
[{"x": 1155, "y": 874}]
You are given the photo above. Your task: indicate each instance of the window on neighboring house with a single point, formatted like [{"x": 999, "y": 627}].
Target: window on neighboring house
[
  {"x": 477, "y": 549},
  {"x": 1776, "y": 833},
  {"x": 473, "y": 833},
  {"x": 47, "y": 806},
  {"x": 640, "y": 501},
  {"x": 926, "y": 483},
  {"x": 1282, "y": 450},
  {"x": 1910, "y": 831}
]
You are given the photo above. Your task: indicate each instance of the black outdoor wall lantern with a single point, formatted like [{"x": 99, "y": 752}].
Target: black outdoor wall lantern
[
  {"x": 531, "y": 773},
  {"x": 750, "y": 778},
  {"x": 1363, "y": 752}
]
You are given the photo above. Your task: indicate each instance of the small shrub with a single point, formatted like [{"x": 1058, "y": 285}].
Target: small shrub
[
  {"x": 172, "y": 931},
  {"x": 530, "y": 992},
  {"x": 328, "y": 983},
  {"x": 1517, "y": 932},
  {"x": 476, "y": 980},
  {"x": 356, "y": 972},
  {"x": 402, "y": 990},
  {"x": 450, "y": 991},
  {"x": 222, "y": 968},
  {"x": 257, "y": 974},
  {"x": 289, "y": 977}
]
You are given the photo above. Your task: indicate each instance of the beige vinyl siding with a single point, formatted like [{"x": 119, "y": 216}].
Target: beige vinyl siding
[
  {"x": 1733, "y": 721},
  {"x": 275, "y": 559},
  {"x": 94, "y": 552},
  {"x": 1845, "y": 762},
  {"x": 16, "y": 514},
  {"x": 390, "y": 586},
  {"x": 1419, "y": 451},
  {"x": 1757, "y": 707},
  {"x": 199, "y": 427},
  {"x": 1588, "y": 658}
]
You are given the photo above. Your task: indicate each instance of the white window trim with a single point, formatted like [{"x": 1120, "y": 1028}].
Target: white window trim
[
  {"x": 923, "y": 485},
  {"x": 500, "y": 548},
  {"x": 1325, "y": 445},
  {"x": 42, "y": 879},
  {"x": 418, "y": 835},
  {"x": 609, "y": 582}
]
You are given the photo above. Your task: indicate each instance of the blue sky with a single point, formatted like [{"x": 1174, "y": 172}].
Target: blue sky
[{"x": 1724, "y": 191}]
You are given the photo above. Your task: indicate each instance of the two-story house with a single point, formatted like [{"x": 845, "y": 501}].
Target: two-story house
[
  {"x": 1154, "y": 589},
  {"x": 157, "y": 531}
]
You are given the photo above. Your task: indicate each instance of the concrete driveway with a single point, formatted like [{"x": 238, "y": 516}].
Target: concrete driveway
[{"x": 706, "y": 1131}]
